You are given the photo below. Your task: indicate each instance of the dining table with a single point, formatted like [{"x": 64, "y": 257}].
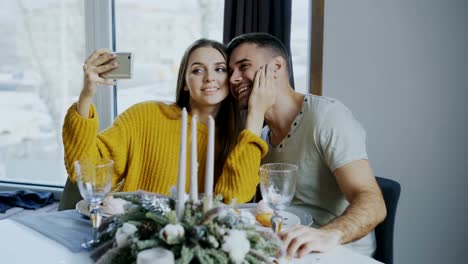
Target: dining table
[{"x": 56, "y": 236}]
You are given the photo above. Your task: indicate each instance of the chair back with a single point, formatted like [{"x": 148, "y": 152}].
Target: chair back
[
  {"x": 384, "y": 231},
  {"x": 70, "y": 196}
]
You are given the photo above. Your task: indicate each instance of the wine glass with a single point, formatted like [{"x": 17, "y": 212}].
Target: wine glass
[
  {"x": 94, "y": 182},
  {"x": 277, "y": 185}
]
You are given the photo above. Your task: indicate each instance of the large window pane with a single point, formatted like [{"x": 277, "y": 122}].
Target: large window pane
[
  {"x": 300, "y": 25},
  {"x": 157, "y": 32},
  {"x": 40, "y": 76}
]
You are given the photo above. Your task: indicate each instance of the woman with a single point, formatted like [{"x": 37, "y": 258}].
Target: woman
[{"x": 144, "y": 140}]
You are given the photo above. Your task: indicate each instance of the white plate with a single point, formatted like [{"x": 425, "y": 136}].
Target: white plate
[
  {"x": 291, "y": 215},
  {"x": 290, "y": 219},
  {"x": 83, "y": 206}
]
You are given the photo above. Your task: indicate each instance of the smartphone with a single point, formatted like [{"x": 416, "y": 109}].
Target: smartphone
[{"x": 124, "y": 71}]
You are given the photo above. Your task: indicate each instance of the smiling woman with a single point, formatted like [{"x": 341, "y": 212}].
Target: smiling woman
[
  {"x": 205, "y": 79},
  {"x": 204, "y": 67}
]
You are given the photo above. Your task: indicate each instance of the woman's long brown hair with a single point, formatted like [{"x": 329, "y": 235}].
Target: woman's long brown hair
[{"x": 227, "y": 119}]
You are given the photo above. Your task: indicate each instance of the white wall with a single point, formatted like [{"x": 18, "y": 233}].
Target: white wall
[{"x": 401, "y": 66}]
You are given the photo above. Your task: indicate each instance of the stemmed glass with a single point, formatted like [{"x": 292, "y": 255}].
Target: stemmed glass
[
  {"x": 94, "y": 182},
  {"x": 277, "y": 185}
]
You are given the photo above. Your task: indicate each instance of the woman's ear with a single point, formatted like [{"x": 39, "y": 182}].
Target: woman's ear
[{"x": 185, "y": 88}]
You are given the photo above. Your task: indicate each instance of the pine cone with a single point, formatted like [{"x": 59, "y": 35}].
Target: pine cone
[
  {"x": 196, "y": 234},
  {"x": 146, "y": 229}
]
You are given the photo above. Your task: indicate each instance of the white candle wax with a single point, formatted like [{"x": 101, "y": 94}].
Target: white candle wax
[
  {"x": 209, "y": 164},
  {"x": 180, "y": 204},
  {"x": 194, "y": 162},
  {"x": 155, "y": 255}
]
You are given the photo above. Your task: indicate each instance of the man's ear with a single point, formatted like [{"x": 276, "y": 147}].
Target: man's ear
[{"x": 279, "y": 63}]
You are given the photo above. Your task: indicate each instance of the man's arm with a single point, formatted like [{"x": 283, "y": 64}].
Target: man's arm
[
  {"x": 366, "y": 209},
  {"x": 366, "y": 205}
]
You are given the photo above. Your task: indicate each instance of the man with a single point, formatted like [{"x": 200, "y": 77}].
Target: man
[{"x": 321, "y": 136}]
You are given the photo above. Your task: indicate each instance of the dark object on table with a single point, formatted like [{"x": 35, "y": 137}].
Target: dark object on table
[
  {"x": 70, "y": 196},
  {"x": 385, "y": 230},
  {"x": 25, "y": 199}
]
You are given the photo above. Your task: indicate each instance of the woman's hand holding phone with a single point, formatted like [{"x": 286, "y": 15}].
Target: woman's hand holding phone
[{"x": 95, "y": 68}]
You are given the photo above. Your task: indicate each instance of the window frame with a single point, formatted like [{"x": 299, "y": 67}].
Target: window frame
[
  {"x": 316, "y": 26},
  {"x": 99, "y": 33}
]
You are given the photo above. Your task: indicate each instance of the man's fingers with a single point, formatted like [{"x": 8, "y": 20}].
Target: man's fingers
[
  {"x": 305, "y": 250},
  {"x": 295, "y": 244},
  {"x": 290, "y": 234},
  {"x": 285, "y": 233},
  {"x": 300, "y": 240}
]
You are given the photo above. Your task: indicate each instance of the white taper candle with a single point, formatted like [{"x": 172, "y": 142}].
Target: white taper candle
[
  {"x": 209, "y": 164},
  {"x": 180, "y": 204},
  {"x": 194, "y": 162}
]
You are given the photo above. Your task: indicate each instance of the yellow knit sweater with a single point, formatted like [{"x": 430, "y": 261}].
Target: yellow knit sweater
[{"x": 144, "y": 144}]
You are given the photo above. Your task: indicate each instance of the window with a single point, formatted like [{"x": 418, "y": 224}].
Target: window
[
  {"x": 157, "y": 33},
  {"x": 46, "y": 43},
  {"x": 300, "y": 22},
  {"x": 43, "y": 50}
]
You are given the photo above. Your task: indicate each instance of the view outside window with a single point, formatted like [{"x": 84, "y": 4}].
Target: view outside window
[
  {"x": 42, "y": 47},
  {"x": 157, "y": 32},
  {"x": 300, "y": 22}
]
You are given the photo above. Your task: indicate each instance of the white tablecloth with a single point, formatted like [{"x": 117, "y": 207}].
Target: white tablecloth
[{"x": 20, "y": 244}]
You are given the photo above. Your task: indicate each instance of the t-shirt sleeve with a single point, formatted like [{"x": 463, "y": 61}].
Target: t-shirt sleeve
[{"x": 342, "y": 138}]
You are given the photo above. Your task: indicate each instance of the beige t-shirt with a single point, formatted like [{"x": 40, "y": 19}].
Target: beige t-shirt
[{"x": 323, "y": 137}]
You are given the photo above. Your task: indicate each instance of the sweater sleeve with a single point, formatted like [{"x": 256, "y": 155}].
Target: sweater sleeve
[
  {"x": 82, "y": 141},
  {"x": 240, "y": 172}
]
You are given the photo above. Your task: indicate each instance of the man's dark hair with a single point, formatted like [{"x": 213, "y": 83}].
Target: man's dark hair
[{"x": 262, "y": 40}]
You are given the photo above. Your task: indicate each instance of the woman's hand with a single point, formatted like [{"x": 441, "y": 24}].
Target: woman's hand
[
  {"x": 263, "y": 91},
  {"x": 95, "y": 69},
  {"x": 262, "y": 97}
]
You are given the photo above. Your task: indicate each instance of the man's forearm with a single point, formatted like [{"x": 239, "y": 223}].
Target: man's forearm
[{"x": 361, "y": 217}]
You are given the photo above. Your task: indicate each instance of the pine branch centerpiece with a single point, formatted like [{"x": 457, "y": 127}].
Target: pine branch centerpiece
[
  {"x": 155, "y": 229},
  {"x": 149, "y": 232}
]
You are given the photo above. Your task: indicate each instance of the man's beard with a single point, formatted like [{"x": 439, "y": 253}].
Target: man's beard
[{"x": 244, "y": 103}]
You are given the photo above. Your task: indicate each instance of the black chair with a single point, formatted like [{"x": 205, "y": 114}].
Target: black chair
[
  {"x": 70, "y": 196},
  {"x": 385, "y": 230}
]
